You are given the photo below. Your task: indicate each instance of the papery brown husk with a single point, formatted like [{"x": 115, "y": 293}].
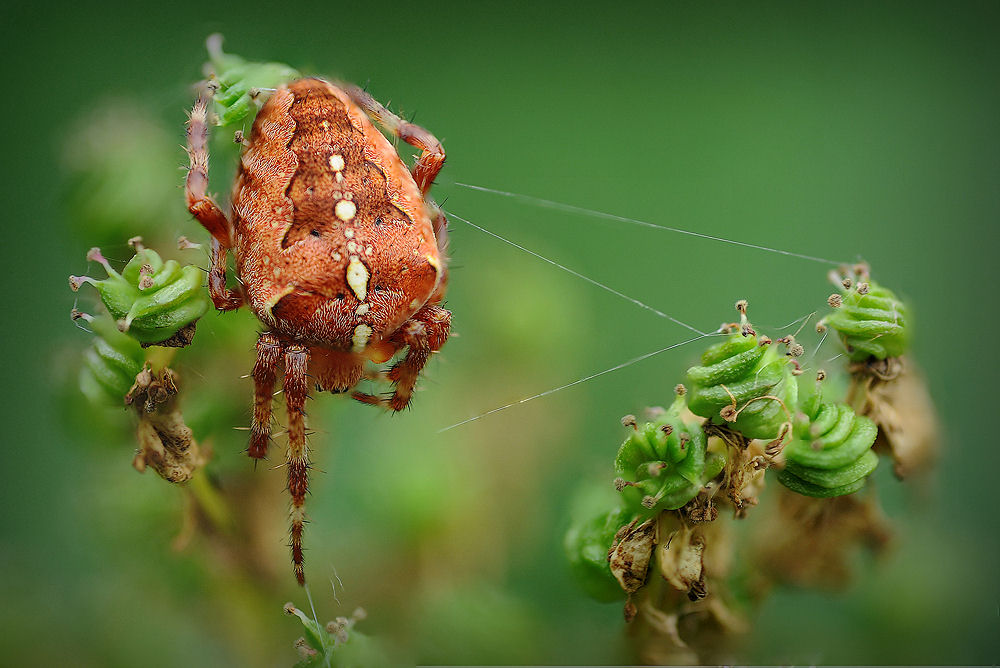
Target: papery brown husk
[
  {"x": 893, "y": 393},
  {"x": 683, "y": 614},
  {"x": 166, "y": 443},
  {"x": 808, "y": 542}
]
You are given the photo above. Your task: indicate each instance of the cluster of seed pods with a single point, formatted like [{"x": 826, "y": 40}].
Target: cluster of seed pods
[{"x": 747, "y": 389}]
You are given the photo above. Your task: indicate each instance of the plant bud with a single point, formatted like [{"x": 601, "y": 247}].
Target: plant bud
[
  {"x": 237, "y": 83},
  {"x": 151, "y": 299}
]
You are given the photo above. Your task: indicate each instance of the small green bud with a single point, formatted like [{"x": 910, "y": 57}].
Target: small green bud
[
  {"x": 240, "y": 82},
  {"x": 871, "y": 320},
  {"x": 664, "y": 464},
  {"x": 831, "y": 453},
  {"x": 336, "y": 644},
  {"x": 151, "y": 299},
  {"x": 112, "y": 363},
  {"x": 587, "y": 544},
  {"x": 745, "y": 383}
]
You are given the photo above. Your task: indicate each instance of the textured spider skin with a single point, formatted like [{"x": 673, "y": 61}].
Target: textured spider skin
[
  {"x": 293, "y": 252},
  {"x": 339, "y": 253}
]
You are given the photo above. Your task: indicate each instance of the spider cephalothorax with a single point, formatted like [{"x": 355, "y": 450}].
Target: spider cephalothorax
[{"x": 339, "y": 253}]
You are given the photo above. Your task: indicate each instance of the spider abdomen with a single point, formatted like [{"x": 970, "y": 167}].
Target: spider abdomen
[{"x": 333, "y": 242}]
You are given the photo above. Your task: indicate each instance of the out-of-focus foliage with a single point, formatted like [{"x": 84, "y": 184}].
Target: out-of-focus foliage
[{"x": 111, "y": 364}]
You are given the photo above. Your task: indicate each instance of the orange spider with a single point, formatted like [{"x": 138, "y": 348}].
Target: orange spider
[{"x": 340, "y": 253}]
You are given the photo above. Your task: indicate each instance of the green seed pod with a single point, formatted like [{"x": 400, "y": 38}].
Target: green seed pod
[
  {"x": 111, "y": 365},
  {"x": 151, "y": 299},
  {"x": 870, "y": 319},
  {"x": 746, "y": 382},
  {"x": 663, "y": 464},
  {"x": 240, "y": 82},
  {"x": 587, "y": 544},
  {"x": 831, "y": 453}
]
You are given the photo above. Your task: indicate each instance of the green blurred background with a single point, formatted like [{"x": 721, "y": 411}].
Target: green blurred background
[{"x": 843, "y": 131}]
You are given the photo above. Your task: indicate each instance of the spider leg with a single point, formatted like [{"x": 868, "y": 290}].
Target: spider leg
[
  {"x": 432, "y": 157},
  {"x": 205, "y": 210},
  {"x": 441, "y": 234},
  {"x": 423, "y": 334},
  {"x": 264, "y": 372},
  {"x": 297, "y": 461}
]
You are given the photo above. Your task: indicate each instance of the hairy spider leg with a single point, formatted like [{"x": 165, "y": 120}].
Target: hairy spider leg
[
  {"x": 441, "y": 234},
  {"x": 432, "y": 156},
  {"x": 205, "y": 210},
  {"x": 297, "y": 458},
  {"x": 423, "y": 334},
  {"x": 264, "y": 373}
]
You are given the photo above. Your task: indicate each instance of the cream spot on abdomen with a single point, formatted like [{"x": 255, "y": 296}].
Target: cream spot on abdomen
[
  {"x": 357, "y": 278},
  {"x": 345, "y": 210},
  {"x": 362, "y": 333}
]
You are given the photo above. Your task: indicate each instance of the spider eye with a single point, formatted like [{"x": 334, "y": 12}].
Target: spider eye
[
  {"x": 378, "y": 221},
  {"x": 315, "y": 233},
  {"x": 340, "y": 296}
]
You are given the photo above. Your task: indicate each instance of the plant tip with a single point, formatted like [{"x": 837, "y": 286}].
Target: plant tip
[{"x": 183, "y": 243}]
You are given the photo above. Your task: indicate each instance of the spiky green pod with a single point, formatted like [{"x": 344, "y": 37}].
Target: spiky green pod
[
  {"x": 746, "y": 382},
  {"x": 241, "y": 81},
  {"x": 111, "y": 365},
  {"x": 870, "y": 319},
  {"x": 663, "y": 464},
  {"x": 587, "y": 544},
  {"x": 151, "y": 299},
  {"x": 831, "y": 453}
]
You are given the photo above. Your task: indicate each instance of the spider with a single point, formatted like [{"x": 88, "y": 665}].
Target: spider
[{"x": 339, "y": 252}]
